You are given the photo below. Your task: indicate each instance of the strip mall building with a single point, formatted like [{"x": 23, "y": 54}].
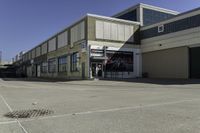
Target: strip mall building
[{"x": 143, "y": 40}]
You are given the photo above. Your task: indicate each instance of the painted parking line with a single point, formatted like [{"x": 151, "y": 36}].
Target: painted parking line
[
  {"x": 8, "y": 106},
  {"x": 111, "y": 110},
  {"x": 7, "y": 122}
]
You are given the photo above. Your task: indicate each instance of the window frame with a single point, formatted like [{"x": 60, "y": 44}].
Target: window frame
[
  {"x": 161, "y": 28},
  {"x": 60, "y": 64},
  {"x": 50, "y": 70},
  {"x": 74, "y": 62},
  {"x": 44, "y": 68}
]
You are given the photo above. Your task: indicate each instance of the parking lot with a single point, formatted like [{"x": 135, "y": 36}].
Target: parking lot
[{"x": 149, "y": 106}]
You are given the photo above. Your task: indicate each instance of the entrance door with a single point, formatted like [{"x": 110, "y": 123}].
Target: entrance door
[
  {"x": 97, "y": 70},
  {"x": 38, "y": 71}
]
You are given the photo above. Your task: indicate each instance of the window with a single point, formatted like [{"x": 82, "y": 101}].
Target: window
[
  {"x": 62, "y": 64},
  {"x": 171, "y": 27},
  {"x": 132, "y": 16},
  {"x": 152, "y": 16},
  {"x": 74, "y": 62},
  {"x": 160, "y": 28},
  {"x": 119, "y": 61},
  {"x": 52, "y": 65},
  {"x": 44, "y": 67}
]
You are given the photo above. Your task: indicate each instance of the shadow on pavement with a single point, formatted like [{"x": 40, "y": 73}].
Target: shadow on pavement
[
  {"x": 138, "y": 80},
  {"x": 38, "y": 79},
  {"x": 159, "y": 81}
]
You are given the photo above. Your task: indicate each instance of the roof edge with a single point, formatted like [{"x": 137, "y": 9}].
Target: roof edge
[
  {"x": 111, "y": 18},
  {"x": 148, "y": 6}
]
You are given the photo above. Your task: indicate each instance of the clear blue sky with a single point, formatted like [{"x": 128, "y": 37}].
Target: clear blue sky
[{"x": 26, "y": 23}]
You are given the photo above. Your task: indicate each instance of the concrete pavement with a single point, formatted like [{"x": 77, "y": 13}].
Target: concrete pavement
[{"x": 101, "y": 107}]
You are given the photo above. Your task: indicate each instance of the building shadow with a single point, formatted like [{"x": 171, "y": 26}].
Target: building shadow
[
  {"x": 52, "y": 80},
  {"x": 135, "y": 80},
  {"x": 158, "y": 81}
]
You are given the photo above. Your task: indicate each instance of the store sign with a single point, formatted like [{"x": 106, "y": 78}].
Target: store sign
[{"x": 97, "y": 53}]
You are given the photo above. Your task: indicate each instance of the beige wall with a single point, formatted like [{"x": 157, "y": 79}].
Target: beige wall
[
  {"x": 92, "y": 34},
  {"x": 67, "y": 50},
  {"x": 169, "y": 63}
]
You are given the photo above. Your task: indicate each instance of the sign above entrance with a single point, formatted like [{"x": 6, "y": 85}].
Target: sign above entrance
[{"x": 97, "y": 53}]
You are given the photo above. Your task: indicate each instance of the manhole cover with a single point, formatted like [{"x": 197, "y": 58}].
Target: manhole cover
[{"x": 29, "y": 113}]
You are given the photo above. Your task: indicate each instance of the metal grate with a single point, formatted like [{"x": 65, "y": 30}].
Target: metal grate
[{"x": 29, "y": 113}]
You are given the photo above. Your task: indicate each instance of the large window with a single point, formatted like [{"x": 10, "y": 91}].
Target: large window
[
  {"x": 52, "y": 65},
  {"x": 44, "y": 67},
  {"x": 152, "y": 16},
  {"x": 132, "y": 16},
  {"x": 62, "y": 64},
  {"x": 74, "y": 62},
  {"x": 175, "y": 26},
  {"x": 119, "y": 61}
]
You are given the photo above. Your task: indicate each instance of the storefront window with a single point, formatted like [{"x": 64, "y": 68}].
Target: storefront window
[
  {"x": 119, "y": 62},
  {"x": 44, "y": 67},
  {"x": 62, "y": 64},
  {"x": 74, "y": 62},
  {"x": 52, "y": 65}
]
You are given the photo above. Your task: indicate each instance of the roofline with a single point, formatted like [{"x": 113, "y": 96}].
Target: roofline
[
  {"x": 159, "y": 9},
  {"x": 170, "y": 19},
  {"x": 112, "y": 19},
  {"x": 147, "y": 6},
  {"x": 52, "y": 36},
  {"x": 127, "y": 10},
  {"x": 82, "y": 18}
]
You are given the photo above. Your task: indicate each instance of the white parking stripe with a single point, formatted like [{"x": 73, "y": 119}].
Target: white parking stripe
[
  {"x": 10, "y": 109},
  {"x": 20, "y": 125},
  {"x": 111, "y": 110},
  {"x": 7, "y": 122}
]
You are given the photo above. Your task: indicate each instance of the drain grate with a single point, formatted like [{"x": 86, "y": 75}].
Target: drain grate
[{"x": 29, "y": 113}]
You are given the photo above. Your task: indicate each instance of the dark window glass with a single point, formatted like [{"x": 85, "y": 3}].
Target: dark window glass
[
  {"x": 152, "y": 16},
  {"x": 183, "y": 24},
  {"x": 74, "y": 62},
  {"x": 132, "y": 16},
  {"x": 52, "y": 65},
  {"x": 62, "y": 64},
  {"x": 119, "y": 62},
  {"x": 44, "y": 67}
]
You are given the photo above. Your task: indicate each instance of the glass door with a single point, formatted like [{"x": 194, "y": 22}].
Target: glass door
[{"x": 97, "y": 70}]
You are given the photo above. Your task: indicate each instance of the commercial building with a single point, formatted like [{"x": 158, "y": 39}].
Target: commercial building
[{"x": 141, "y": 40}]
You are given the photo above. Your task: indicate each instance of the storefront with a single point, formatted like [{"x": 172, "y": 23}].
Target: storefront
[{"x": 112, "y": 63}]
